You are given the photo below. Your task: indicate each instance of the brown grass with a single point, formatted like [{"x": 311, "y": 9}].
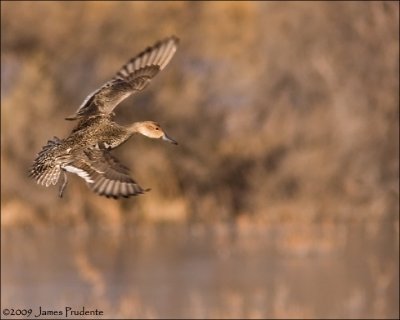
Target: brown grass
[{"x": 283, "y": 111}]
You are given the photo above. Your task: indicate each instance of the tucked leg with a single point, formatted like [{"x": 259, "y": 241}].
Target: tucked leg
[{"x": 64, "y": 184}]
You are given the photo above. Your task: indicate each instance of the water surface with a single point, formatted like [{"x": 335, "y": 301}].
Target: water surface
[{"x": 248, "y": 271}]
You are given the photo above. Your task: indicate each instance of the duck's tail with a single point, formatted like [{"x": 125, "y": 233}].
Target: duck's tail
[{"x": 45, "y": 169}]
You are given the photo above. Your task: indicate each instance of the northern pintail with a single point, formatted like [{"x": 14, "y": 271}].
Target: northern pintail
[{"x": 86, "y": 151}]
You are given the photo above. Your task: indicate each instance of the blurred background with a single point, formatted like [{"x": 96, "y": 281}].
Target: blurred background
[{"x": 282, "y": 198}]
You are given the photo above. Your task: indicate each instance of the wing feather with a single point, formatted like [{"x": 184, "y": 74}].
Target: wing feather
[
  {"x": 134, "y": 76},
  {"x": 104, "y": 174}
]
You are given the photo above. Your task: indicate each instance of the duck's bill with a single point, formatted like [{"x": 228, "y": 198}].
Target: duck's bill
[{"x": 170, "y": 140}]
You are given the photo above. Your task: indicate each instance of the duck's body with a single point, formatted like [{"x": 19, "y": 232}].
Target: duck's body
[
  {"x": 99, "y": 131},
  {"x": 86, "y": 151}
]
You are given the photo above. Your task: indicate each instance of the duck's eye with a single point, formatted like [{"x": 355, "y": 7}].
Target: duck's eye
[{"x": 157, "y": 128}]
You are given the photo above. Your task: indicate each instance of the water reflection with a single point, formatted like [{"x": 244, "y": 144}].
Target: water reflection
[{"x": 221, "y": 272}]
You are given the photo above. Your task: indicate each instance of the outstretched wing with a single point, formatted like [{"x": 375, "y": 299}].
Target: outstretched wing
[
  {"x": 104, "y": 174},
  {"x": 132, "y": 77}
]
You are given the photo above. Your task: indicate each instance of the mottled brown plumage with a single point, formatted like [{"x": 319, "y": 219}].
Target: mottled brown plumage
[{"x": 86, "y": 151}]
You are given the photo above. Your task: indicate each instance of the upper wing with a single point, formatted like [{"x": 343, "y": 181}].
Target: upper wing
[
  {"x": 133, "y": 76},
  {"x": 104, "y": 174}
]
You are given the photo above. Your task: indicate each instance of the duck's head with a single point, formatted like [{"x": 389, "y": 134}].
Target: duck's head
[{"x": 152, "y": 130}]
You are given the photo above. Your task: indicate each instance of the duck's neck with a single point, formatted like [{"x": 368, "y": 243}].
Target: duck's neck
[{"x": 134, "y": 127}]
